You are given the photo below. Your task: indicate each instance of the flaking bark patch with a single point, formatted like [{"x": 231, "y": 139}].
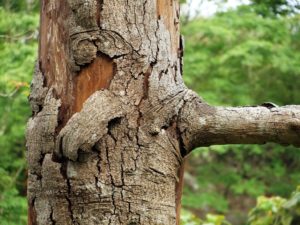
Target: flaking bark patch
[
  {"x": 40, "y": 135},
  {"x": 38, "y": 90},
  {"x": 41, "y": 132}
]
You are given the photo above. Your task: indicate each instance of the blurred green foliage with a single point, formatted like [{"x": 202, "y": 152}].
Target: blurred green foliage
[
  {"x": 20, "y": 5},
  {"x": 275, "y": 7},
  {"x": 268, "y": 211},
  {"x": 276, "y": 211},
  {"x": 242, "y": 57},
  {"x": 18, "y": 48},
  {"x": 187, "y": 218},
  {"x": 238, "y": 57}
]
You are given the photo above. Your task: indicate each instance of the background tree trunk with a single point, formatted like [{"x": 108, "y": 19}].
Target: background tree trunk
[{"x": 103, "y": 144}]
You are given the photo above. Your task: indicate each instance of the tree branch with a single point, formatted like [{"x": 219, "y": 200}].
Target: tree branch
[{"x": 205, "y": 125}]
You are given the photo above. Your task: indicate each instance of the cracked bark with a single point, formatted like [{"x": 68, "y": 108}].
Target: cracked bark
[{"x": 112, "y": 119}]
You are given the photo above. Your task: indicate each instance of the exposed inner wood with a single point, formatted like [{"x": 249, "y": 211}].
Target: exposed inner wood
[
  {"x": 168, "y": 12},
  {"x": 94, "y": 77},
  {"x": 31, "y": 215},
  {"x": 54, "y": 54},
  {"x": 179, "y": 189}
]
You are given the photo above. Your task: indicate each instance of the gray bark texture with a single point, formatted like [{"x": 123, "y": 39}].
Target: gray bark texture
[{"x": 112, "y": 119}]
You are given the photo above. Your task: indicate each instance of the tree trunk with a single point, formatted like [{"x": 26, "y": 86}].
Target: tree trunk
[
  {"x": 103, "y": 145},
  {"x": 112, "y": 119}
]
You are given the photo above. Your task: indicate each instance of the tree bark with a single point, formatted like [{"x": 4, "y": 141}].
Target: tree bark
[
  {"x": 112, "y": 119},
  {"x": 205, "y": 125},
  {"x": 103, "y": 144}
]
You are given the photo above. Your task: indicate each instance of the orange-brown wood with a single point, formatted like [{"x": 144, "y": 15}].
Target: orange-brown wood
[
  {"x": 165, "y": 11},
  {"x": 168, "y": 12},
  {"x": 31, "y": 215},
  {"x": 54, "y": 55},
  {"x": 179, "y": 188},
  {"x": 94, "y": 77}
]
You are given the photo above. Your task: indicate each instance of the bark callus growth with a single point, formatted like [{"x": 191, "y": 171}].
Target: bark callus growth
[{"x": 112, "y": 119}]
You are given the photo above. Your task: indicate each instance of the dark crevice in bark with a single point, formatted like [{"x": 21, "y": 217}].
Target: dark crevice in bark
[
  {"x": 113, "y": 186},
  {"x": 37, "y": 174},
  {"x": 40, "y": 108},
  {"x": 181, "y": 53},
  {"x": 51, "y": 217},
  {"x": 146, "y": 82},
  {"x": 62, "y": 118},
  {"x": 63, "y": 170},
  {"x": 70, "y": 206},
  {"x": 96, "y": 151},
  {"x": 172, "y": 131},
  {"x": 122, "y": 174},
  {"x": 32, "y": 215},
  {"x": 269, "y": 105},
  {"x": 176, "y": 71},
  {"x": 99, "y": 10},
  {"x": 41, "y": 161},
  {"x": 165, "y": 72},
  {"x": 183, "y": 149},
  {"x": 119, "y": 56},
  {"x": 156, "y": 171},
  {"x": 114, "y": 123},
  {"x": 57, "y": 156},
  {"x": 157, "y": 38},
  {"x": 40, "y": 67}
]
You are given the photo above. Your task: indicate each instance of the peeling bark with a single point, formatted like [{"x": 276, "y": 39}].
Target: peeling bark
[{"x": 112, "y": 119}]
